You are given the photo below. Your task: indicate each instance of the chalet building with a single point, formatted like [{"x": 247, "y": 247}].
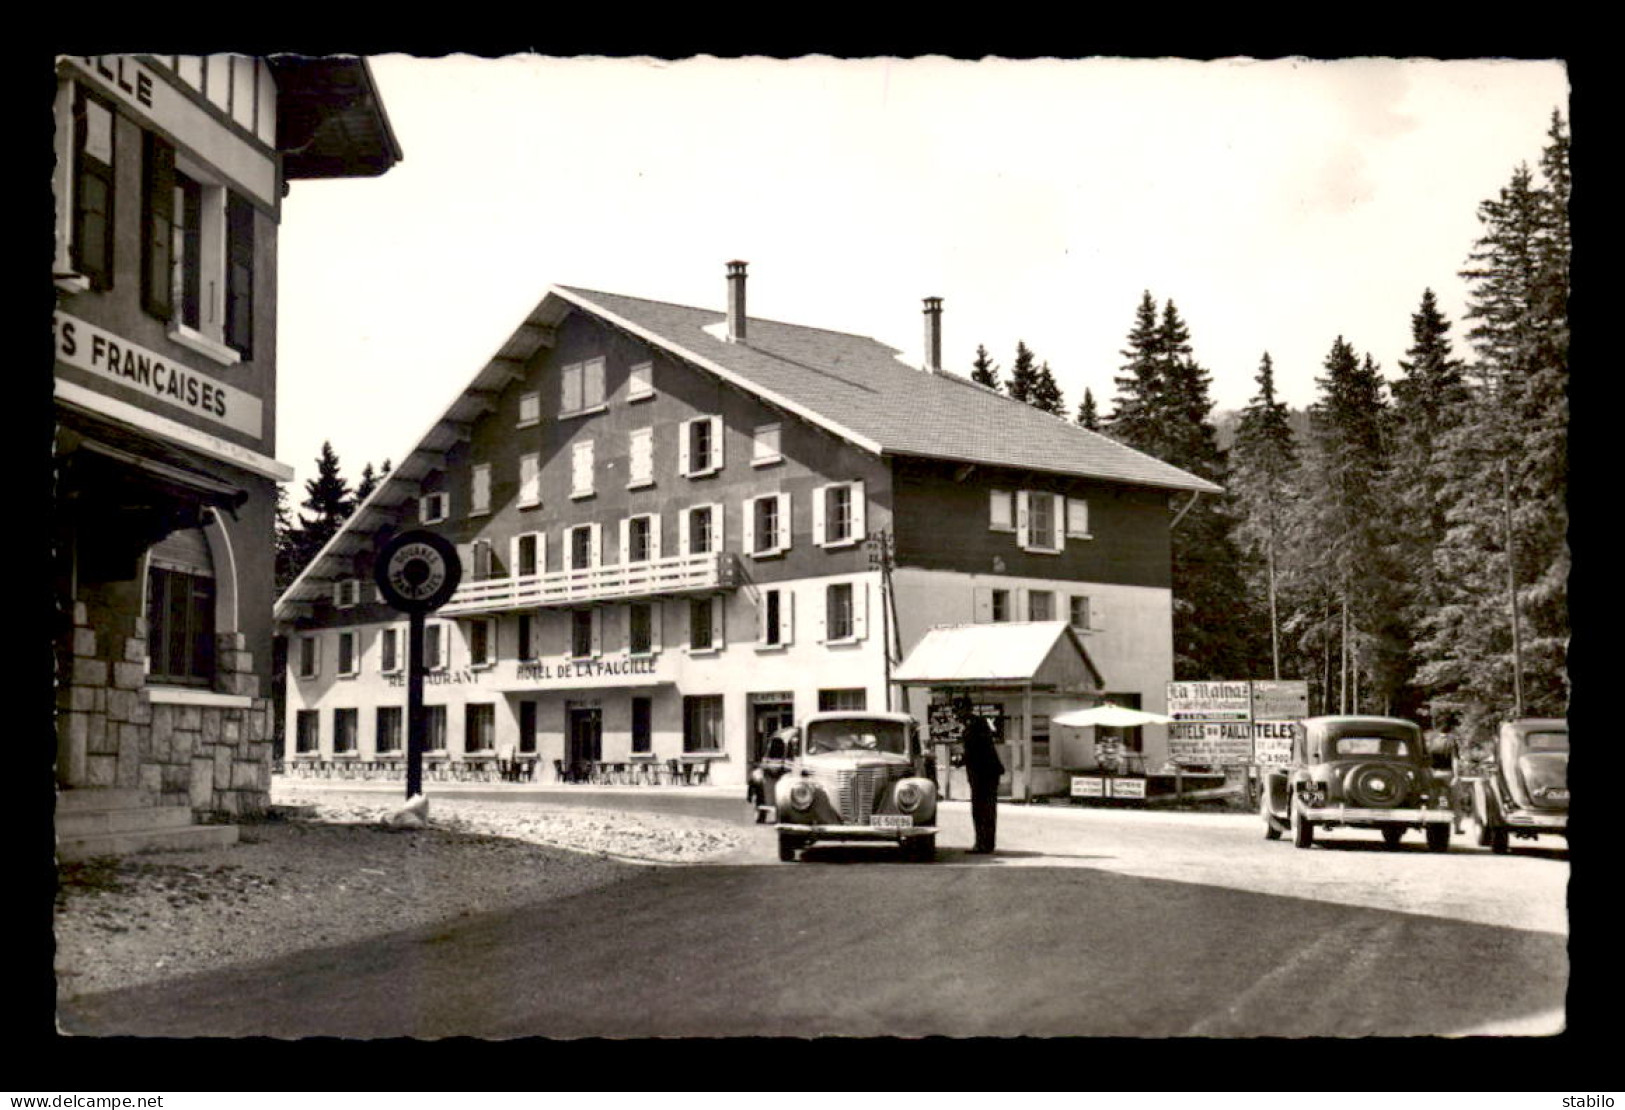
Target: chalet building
[
  {"x": 169, "y": 177},
  {"x": 682, "y": 529}
]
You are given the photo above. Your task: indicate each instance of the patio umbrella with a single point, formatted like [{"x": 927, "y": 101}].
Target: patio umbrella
[{"x": 1109, "y": 716}]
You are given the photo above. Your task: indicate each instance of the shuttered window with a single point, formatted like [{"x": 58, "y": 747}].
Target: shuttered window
[
  {"x": 158, "y": 227},
  {"x": 92, "y": 242}
]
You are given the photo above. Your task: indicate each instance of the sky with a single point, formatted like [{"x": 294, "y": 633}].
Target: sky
[{"x": 1279, "y": 205}]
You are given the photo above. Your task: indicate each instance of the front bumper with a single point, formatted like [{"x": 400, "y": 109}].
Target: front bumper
[
  {"x": 852, "y": 832},
  {"x": 1356, "y": 815}
]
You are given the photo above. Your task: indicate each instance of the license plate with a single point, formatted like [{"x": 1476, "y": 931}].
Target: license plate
[
  {"x": 1557, "y": 795},
  {"x": 892, "y": 821}
]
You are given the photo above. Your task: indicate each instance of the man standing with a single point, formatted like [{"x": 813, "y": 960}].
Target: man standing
[{"x": 983, "y": 768}]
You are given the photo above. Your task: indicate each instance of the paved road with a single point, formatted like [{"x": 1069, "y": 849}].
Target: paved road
[{"x": 1089, "y": 922}]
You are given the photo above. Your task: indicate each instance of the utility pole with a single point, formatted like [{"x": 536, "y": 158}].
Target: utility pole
[{"x": 1512, "y": 593}]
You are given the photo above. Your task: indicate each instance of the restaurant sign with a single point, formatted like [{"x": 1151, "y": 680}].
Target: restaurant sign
[
  {"x": 1088, "y": 786},
  {"x": 1210, "y": 701}
]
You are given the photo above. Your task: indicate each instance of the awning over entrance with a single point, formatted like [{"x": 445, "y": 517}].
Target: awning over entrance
[{"x": 1041, "y": 654}]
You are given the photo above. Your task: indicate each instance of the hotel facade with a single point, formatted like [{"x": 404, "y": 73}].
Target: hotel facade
[
  {"x": 169, "y": 180},
  {"x": 682, "y": 529}
]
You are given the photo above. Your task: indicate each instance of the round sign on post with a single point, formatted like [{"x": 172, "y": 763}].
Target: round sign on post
[{"x": 418, "y": 571}]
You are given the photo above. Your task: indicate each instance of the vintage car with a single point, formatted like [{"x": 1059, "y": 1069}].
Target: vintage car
[
  {"x": 778, "y": 753},
  {"x": 1356, "y": 772},
  {"x": 1525, "y": 791},
  {"x": 858, "y": 776}
]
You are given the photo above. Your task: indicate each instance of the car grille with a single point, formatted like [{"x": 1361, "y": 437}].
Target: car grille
[{"x": 854, "y": 792}]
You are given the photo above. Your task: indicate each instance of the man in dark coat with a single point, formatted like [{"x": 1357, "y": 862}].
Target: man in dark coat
[{"x": 983, "y": 768}]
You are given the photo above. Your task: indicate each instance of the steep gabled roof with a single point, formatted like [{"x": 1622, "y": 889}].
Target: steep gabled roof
[{"x": 850, "y": 385}]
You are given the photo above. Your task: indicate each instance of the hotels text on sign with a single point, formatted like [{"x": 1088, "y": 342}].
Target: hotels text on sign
[
  {"x": 1210, "y": 742},
  {"x": 110, "y": 357}
]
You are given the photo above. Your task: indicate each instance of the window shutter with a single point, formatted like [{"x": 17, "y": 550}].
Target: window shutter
[
  {"x": 719, "y": 635},
  {"x": 158, "y": 225},
  {"x": 530, "y": 479},
  {"x": 597, "y": 627},
  {"x": 982, "y": 605},
  {"x": 597, "y": 544},
  {"x": 570, "y": 388},
  {"x": 761, "y": 616},
  {"x": 750, "y": 526},
  {"x": 338, "y": 594},
  {"x": 820, "y": 499},
  {"x": 1077, "y": 516},
  {"x": 654, "y": 537},
  {"x": 860, "y": 610},
  {"x": 1057, "y": 518},
  {"x": 626, "y": 540},
  {"x": 240, "y": 275},
  {"x": 683, "y": 461},
  {"x": 821, "y": 628},
  {"x": 465, "y": 555},
  {"x": 787, "y": 615},
  {"x": 859, "y": 524},
  {"x": 716, "y": 528},
  {"x": 998, "y": 510},
  {"x": 513, "y": 556},
  {"x": 655, "y": 609},
  {"x": 1023, "y": 540},
  {"x": 683, "y": 518},
  {"x": 715, "y": 462},
  {"x": 569, "y": 549},
  {"x": 781, "y": 542},
  {"x": 581, "y": 469},
  {"x": 641, "y": 449},
  {"x": 593, "y": 385}
]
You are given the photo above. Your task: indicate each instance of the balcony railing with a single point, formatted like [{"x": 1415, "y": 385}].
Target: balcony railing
[{"x": 673, "y": 575}]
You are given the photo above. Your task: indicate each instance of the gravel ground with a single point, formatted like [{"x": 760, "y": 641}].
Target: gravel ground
[{"x": 340, "y": 877}]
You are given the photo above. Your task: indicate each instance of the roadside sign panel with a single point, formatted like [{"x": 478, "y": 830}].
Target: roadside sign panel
[
  {"x": 1272, "y": 743},
  {"x": 1088, "y": 786},
  {"x": 1286, "y": 700},
  {"x": 1128, "y": 788},
  {"x": 1210, "y": 742},
  {"x": 1210, "y": 701}
]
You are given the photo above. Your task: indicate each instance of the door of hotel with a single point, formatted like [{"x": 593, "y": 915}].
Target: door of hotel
[
  {"x": 586, "y": 734},
  {"x": 769, "y": 713}
]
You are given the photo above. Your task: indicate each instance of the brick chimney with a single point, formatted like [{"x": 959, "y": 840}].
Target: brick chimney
[
  {"x": 736, "y": 302},
  {"x": 933, "y": 335}
]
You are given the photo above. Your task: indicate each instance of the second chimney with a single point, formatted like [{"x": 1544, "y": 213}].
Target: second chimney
[
  {"x": 736, "y": 302},
  {"x": 933, "y": 335}
]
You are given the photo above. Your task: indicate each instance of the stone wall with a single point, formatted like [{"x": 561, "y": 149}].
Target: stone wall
[{"x": 216, "y": 759}]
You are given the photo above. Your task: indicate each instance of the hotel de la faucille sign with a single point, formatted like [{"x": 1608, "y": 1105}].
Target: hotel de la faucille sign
[{"x": 616, "y": 670}]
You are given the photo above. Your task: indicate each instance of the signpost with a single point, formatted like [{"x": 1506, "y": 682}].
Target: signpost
[{"x": 417, "y": 572}]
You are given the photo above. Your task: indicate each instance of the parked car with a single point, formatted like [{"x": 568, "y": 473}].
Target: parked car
[
  {"x": 1356, "y": 772},
  {"x": 778, "y": 753},
  {"x": 858, "y": 776},
  {"x": 1524, "y": 790}
]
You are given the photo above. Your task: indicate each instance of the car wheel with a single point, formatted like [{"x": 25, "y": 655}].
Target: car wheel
[
  {"x": 1303, "y": 830},
  {"x": 1438, "y": 838},
  {"x": 1272, "y": 824},
  {"x": 787, "y": 849},
  {"x": 1500, "y": 842},
  {"x": 921, "y": 849},
  {"x": 1392, "y": 835},
  {"x": 1483, "y": 818}
]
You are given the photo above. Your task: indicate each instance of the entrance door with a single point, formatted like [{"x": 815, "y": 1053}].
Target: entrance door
[
  {"x": 766, "y": 719},
  {"x": 586, "y": 734}
]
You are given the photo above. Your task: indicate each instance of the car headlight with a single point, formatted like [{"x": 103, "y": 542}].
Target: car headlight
[
  {"x": 802, "y": 795},
  {"x": 909, "y": 797}
]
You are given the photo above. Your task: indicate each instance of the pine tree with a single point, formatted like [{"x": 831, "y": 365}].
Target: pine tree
[
  {"x": 369, "y": 482},
  {"x": 1087, "y": 416},
  {"x": 1508, "y": 457},
  {"x": 331, "y": 502},
  {"x": 1045, "y": 394},
  {"x": 1023, "y": 375},
  {"x": 984, "y": 371},
  {"x": 1263, "y": 463},
  {"x": 1134, "y": 418},
  {"x": 289, "y": 543}
]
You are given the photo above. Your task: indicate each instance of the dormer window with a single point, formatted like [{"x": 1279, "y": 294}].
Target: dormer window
[{"x": 434, "y": 507}]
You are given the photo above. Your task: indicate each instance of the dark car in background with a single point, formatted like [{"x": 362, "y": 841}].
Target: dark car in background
[
  {"x": 1524, "y": 791},
  {"x": 1360, "y": 773},
  {"x": 778, "y": 753}
]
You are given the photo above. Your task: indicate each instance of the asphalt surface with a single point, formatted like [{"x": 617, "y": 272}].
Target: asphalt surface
[{"x": 1087, "y": 923}]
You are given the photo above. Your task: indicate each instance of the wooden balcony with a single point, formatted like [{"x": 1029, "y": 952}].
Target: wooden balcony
[{"x": 673, "y": 576}]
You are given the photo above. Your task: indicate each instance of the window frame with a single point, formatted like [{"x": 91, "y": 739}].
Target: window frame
[
  {"x": 347, "y": 723},
  {"x": 473, "y": 712},
  {"x": 485, "y": 660},
  {"x": 582, "y": 374},
  {"x": 594, "y": 634},
  {"x": 640, "y": 462},
  {"x": 313, "y": 657},
  {"x": 428, "y": 502},
  {"x": 716, "y": 612},
  {"x": 89, "y": 166},
  {"x": 687, "y": 465},
  {"x": 855, "y": 514},
  {"x": 304, "y": 744},
  {"x": 782, "y": 534},
  {"x": 1072, "y": 612},
  {"x": 479, "y": 489},
  {"x": 1025, "y": 514},
  {"x": 397, "y": 715},
  {"x": 1001, "y": 510},
  {"x": 640, "y": 379},
  {"x": 704, "y": 717},
  {"x": 516, "y": 560},
  {"x": 348, "y": 638},
  {"x": 1078, "y": 530},
  {"x": 583, "y": 464},
  {"x": 775, "y": 618},
  {"x": 197, "y": 628},
  {"x": 530, "y": 409},
  {"x": 767, "y": 457},
  {"x": 391, "y": 643},
  {"x": 713, "y": 531}
]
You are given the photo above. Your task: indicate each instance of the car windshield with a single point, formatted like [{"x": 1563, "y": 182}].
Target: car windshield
[
  {"x": 1372, "y": 745},
  {"x": 857, "y": 735},
  {"x": 1547, "y": 741}
]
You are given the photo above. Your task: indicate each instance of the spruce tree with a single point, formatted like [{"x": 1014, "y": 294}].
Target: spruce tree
[
  {"x": 1087, "y": 416},
  {"x": 329, "y": 499},
  {"x": 1045, "y": 394},
  {"x": 1264, "y": 461},
  {"x": 1134, "y": 417},
  {"x": 984, "y": 371},
  {"x": 1023, "y": 375}
]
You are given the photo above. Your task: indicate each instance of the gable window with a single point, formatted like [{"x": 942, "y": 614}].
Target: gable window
[
  {"x": 767, "y": 525},
  {"x": 640, "y": 381},
  {"x": 434, "y": 507},
  {"x": 1038, "y": 521},
  {"x": 309, "y": 656},
  {"x": 388, "y": 737},
  {"x": 480, "y": 490},
  {"x": 1079, "y": 616},
  {"x": 479, "y": 727},
  {"x": 642, "y": 628},
  {"x": 640, "y": 539},
  {"x": 1077, "y": 518},
  {"x": 347, "y": 656},
  {"x": 699, "y": 530},
  {"x": 530, "y": 409},
  {"x": 482, "y": 642},
  {"x": 180, "y": 610},
  {"x": 1000, "y": 511},
  {"x": 775, "y": 618},
  {"x": 641, "y": 460},
  {"x": 389, "y": 651},
  {"x": 581, "y": 469},
  {"x": 344, "y": 731},
  {"x": 838, "y": 514},
  {"x": 91, "y": 249},
  {"x": 529, "y": 555},
  {"x": 581, "y": 386},
  {"x": 585, "y": 633},
  {"x": 699, "y": 448},
  {"x": 764, "y": 449},
  {"x": 1040, "y": 605},
  {"x": 307, "y": 731}
]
